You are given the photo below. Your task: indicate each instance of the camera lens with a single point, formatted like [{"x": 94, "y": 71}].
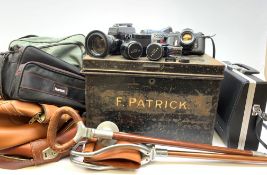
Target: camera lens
[
  {"x": 187, "y": 37},
  {"x": 143, "y": 39},
  {"x": 97, "y": 44},
  {"x": 154, "y": 51},
  {"x": 131, "y": 50}
]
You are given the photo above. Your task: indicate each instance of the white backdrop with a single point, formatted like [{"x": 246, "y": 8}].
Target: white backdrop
[{"x": 240, "y": 28}]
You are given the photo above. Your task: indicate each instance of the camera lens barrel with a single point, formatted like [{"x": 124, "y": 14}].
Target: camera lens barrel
[
  {"x": 131, "y": 50},
  {"x": 154, "y": 51},
  {"x": 98, "y": 44}
]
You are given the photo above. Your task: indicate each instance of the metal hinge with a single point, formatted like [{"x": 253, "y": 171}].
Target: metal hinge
[
  {"x": 48, "y": 154},
  {"x": 256, "y": 111}
]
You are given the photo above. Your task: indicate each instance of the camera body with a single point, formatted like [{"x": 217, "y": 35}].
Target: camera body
[
  {"x": 122, "y": 31},
  {"x": 158, "y": 36},
  {"x": 143, "y": 39},
  {"x": 122, "y": 40},
  {"x": 192, "y": 43}
]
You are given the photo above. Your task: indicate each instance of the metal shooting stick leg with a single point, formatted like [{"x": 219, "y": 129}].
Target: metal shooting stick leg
[{"x": 147, "y": 149}]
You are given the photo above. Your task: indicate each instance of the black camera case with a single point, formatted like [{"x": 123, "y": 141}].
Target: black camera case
[
  {"x": 240, "y": 92},
  {"x": 32, "y": 75}
]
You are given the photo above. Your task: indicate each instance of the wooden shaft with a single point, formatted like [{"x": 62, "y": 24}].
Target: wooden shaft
[
  {"x": 157, "y": 141},
  {"x": 216, "y": 156}
]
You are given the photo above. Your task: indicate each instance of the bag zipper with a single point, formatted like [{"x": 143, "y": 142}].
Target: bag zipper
[
  {"x": 79, "y": 44},
  {"x": 52, "y": 68},
  {"x": 47, "y": 42},
  {"x": 59, "y": 44},
  {"x": 39, "y": 117},
  {"x": 17, "y": 49}
]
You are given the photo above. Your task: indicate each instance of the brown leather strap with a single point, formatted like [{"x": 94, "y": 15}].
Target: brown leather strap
[
  {"x": 50, "y": 110},
  {"x": 53, "y": 125},
  {"x": 119, "y": 158}
]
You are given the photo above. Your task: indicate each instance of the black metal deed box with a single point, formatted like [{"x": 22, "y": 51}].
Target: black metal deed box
[{"x": 170, "y": 100}]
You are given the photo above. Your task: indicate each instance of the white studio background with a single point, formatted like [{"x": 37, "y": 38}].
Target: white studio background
[{"x": 240, "y": 28}]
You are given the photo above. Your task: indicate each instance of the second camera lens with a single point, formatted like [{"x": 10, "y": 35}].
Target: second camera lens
[
  {"x": 131, "y": 50},
  {"x": 154, "y": 51}
]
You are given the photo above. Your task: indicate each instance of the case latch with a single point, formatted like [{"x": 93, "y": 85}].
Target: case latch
[{"x": 256, "y": 111}]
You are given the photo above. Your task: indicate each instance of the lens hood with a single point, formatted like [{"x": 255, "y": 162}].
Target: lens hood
[{"x": 97, "y": 44}]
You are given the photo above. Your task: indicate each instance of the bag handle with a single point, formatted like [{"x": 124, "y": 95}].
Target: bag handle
[
  {"x": 247, "y": 69},
  {"x": 28, "y": 36}
]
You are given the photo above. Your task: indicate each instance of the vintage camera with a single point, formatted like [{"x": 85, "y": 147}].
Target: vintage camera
[
  {"x": 143, "y": 39},
  {"x": 98, "y": 44},
  {"x": 158, "y": 36},
  {"x": 122, "y": 31},
  {"x": 136, "y": 46},
  {"x": 192, "y": 43},
  {"x": 155, "y": 51}
]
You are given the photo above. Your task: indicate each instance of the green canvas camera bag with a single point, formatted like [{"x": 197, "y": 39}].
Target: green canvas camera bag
[{"x": 69, "y": 49}]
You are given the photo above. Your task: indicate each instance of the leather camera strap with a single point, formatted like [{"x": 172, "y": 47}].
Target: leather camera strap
[{"x": 119, "y": 158}]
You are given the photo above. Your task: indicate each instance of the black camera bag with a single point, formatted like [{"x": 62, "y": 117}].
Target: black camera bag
[
  {"x": 32, "y": 75},
  {"x": 241, "y": 107}
]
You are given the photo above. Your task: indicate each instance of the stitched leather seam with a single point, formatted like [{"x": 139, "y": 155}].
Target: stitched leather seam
[
  {"x": 20, "y": 113},
  {"x": 11, "y": 112}
]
